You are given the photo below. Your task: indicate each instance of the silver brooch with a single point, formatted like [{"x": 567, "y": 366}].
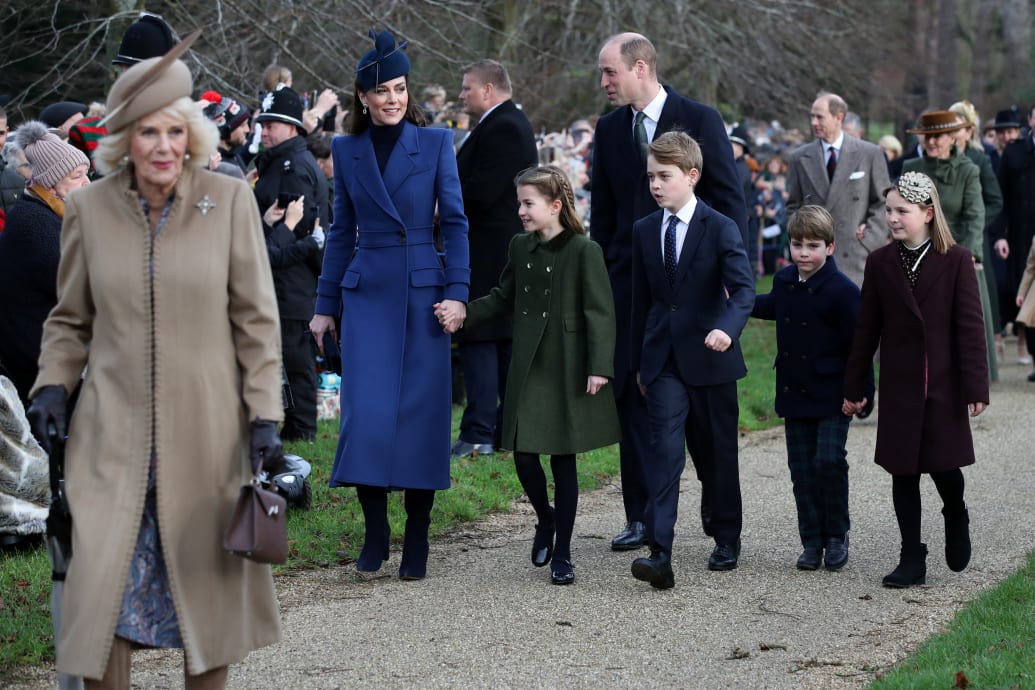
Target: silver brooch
[{"x": 205, "y": 205}]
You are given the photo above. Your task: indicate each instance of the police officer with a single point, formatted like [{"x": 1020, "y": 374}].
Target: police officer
[{"x": 287, "y": 173}]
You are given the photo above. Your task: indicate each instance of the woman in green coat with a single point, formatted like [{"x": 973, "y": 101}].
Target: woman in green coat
[
  {"x": 556, "y": 290},
  {"x": 959, "y": 185}
]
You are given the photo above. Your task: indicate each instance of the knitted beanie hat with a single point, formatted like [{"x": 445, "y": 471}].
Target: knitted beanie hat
[{"x": 49, "y": 157}]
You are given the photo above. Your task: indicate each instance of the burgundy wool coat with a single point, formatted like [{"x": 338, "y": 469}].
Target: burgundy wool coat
[{"x": 932, "y": 359}]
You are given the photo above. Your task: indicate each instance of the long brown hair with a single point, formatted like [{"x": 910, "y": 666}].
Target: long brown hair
[
  {"x": 359, "y": 121},
  {"x": 553, "y": 184}
]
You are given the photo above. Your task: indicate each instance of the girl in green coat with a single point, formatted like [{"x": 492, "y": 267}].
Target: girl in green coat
[{"x": 556, "y": 290}]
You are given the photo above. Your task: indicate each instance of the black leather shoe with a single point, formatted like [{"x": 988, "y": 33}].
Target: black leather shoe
[
  {"x": 562, "y": 573},
  {"x": 632, "y": 537},
  {"x": 724, "y": 556},
  {"x": 706, "y": 518},
  {"x": 542, "y": 545},
  {"x": 810, "y": 558},
  {"x": 835, "y": 553},
  {"x": 656, "y": 570}
]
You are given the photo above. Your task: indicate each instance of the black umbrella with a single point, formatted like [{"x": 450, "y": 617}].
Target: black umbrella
[{"x": 59, "y": 543}]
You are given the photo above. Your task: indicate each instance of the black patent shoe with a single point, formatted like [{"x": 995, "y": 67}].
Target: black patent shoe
[
  {"x": 632, "y": 537},
  {"x": 835, "y": 553},
  {"x": 810, "y": 558},
  {"x": 562, "y": 573},
  {"x": 542, "y": 545},
  {"x": 656, "y": 570},
  {"x": 724, "y": 556}
]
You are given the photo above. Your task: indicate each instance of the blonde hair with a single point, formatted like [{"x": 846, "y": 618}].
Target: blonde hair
[
  {"x": 678, "y": 149},
  {"x": 202, "y": 138},
  {"x": 968, "y": 113},
  {"x": 276, "y": 74},
  {"x": 891, "y": 143},
  {"x": 553, "y": 184}
]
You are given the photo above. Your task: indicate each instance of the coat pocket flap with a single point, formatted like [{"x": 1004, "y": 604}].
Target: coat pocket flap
[
  {"x": 575, "y": 323},
  {"x": 350, "y": 279},
  {"x": 427, "y": 277}
]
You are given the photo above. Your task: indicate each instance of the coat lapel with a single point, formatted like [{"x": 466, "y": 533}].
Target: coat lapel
[
  {"x": 694, "y": 235},
  {"x": 932, "y": 269},
  {"x": 364, "y": 163},
  {"x": 816, "y": 168},
  {"x": 402, "y": 160}
]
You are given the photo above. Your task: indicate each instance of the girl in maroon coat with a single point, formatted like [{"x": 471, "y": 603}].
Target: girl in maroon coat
[{"x": 920, "y": 305}]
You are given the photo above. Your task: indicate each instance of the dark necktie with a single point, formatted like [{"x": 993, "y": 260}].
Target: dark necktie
[
  {"x": 832, "y": 163},
  {"x": 670, "y": 249},
  {"x": 640, "y": 134}
]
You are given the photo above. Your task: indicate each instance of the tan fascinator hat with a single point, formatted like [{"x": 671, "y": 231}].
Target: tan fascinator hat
[
  {"x": 148, "y": 86},
  {"x": 938, "y": 122}
]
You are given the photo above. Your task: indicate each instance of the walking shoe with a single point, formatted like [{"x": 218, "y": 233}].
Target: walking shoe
[
  {"x": 911, "y": 570},
  {"x": 461, "y": 449},
  {"x": 835, "y": 553}
]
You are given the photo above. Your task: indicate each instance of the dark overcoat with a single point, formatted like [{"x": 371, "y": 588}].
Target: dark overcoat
[
  {"x": 558, "y": 296},
  {"x": 1017, "y": 222},
  {"x": 496, "y": 150},
  {"x": 383, "y": 276},
  {"x": 621, "y": 194},
  {"x": 932, "y": 359},
  {"x": 815, "y": 322}
]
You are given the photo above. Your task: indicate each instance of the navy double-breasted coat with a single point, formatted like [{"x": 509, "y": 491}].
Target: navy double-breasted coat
[{"x": 382, "y": 274}]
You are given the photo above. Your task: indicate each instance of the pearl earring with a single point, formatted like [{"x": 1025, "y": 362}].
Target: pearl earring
[
  {"x": 186, "y": 156},
  {"x": 364, "y": 108}
]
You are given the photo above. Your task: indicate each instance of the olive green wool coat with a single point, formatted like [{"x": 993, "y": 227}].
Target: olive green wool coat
[{"x": 559, "y": 297}]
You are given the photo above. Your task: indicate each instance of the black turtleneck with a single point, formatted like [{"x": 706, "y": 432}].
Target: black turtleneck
[{"x": 384, "y": 139}]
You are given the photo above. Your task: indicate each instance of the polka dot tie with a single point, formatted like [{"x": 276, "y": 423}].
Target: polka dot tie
[{"x": 670, "y": 249}]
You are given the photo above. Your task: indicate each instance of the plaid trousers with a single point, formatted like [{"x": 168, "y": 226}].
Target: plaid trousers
[{"x": 818, "y": 462}]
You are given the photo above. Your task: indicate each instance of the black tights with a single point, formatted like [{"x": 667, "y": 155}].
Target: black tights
[
  {"x": 905, "y": 491},
  {"x": 566, "y": 495}
]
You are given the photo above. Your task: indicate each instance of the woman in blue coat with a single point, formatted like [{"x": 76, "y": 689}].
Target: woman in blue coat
[{"x": 382, "y": 275}]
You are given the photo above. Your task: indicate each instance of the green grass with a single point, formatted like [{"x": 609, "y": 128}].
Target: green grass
[{"x": 991, "y": 642}]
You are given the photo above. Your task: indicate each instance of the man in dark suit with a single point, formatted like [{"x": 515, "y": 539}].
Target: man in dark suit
[
  {"x": 628, "y": 74},
  {"x": 499, "y": 147},
  {"x": 692, "y": 293},
  {"x": 1017, "y": 222}
]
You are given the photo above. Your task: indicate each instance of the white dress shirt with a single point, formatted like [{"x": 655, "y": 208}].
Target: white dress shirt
[
  {"x": 684, "y": 214},
  {"x": 652, "y": 112}
]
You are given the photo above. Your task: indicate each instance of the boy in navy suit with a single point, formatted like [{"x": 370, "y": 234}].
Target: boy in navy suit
[
  {"x": 815, "y": 307},
  {"x": 693, "y": 291}
]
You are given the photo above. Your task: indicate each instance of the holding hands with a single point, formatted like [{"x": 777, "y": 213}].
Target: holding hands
[{"x": 450, "y": 314}]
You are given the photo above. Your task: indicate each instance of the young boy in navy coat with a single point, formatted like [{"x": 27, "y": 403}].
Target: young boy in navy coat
[
  {"x": 815, "y": 307},
  {"x": 693, "y": 290}
]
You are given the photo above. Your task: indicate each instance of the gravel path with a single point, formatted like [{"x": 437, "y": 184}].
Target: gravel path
[{"x": 485, "y": 617}]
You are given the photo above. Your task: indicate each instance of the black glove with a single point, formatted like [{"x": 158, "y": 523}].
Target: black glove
[
  {"x": 266, "y": 449},
  {"x": 48, "y": 407}
]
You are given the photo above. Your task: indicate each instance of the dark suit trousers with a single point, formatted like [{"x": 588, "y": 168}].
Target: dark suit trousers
[
  {"x": 818, "y": 462},
  {"x": 704, "y": 420},
  {"x": 633, "y": 448},
  {"x": 485, "y": 366},
  {"x": 300, "y": 367}
]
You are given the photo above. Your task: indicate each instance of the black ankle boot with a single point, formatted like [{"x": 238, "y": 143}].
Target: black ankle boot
[
  {"x": 376, "y": 529},
  {"x": 414, "y": 562},
  {"x": 911, "y": 570},
  {"x": 957, "y": 539}
]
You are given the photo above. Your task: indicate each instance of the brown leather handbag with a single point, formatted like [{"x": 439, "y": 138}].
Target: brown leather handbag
[{"x": 258, "y": 525}]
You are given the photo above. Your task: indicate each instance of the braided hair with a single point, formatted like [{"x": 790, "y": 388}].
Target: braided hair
[{"x": 554, "y": 185}]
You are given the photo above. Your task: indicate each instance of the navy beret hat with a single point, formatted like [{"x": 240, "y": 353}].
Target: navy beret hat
[{"x": 384, "y": 63}]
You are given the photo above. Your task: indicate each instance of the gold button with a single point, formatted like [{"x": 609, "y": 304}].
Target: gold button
[
  {"x": 529, "y": 264},
  {"x": 527, "y": 288},
  {"x": 544, "y": 314},
  {"x": 547, "y": 269}
]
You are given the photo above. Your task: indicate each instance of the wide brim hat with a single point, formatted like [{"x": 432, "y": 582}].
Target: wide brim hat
[
  {"x": 148, "y": 37},
  {"x": 148, "y": 86},
  {"x": 385, "y": 62},
  {"x": 282, "y": 105},
  {"x": 1007, "y": 119},
  {"x": 938, "y": 122}
]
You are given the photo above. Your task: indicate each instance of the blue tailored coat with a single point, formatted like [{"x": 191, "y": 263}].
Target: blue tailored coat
[
  {"x": 714, "y": 288},
  {"x": 382, "y": 276},
  {"x": 815, "y": 322}
]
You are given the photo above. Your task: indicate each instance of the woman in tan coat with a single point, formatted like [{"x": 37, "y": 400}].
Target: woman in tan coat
[
  {"x": 165, "y": 300},
  {"x": 1026, "y": 302}
]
